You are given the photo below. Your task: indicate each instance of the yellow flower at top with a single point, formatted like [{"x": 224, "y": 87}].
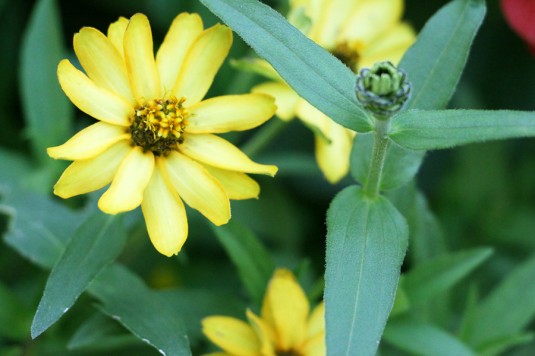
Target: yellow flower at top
[
  {"x": 286, "y": 326},
  {"x": 359, "y": 33},
  {"x": 154, "y": 140}
]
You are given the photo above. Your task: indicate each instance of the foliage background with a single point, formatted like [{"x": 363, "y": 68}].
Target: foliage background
[{"x": 482, "y": 195}]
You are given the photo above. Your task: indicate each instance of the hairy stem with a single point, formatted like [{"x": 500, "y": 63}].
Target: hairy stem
[{"x": 380, "y": 145}]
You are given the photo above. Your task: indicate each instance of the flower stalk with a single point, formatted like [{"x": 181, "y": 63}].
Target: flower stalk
[
  {"x": 383, "y": 90},
  {"x": 380, "y": 146}
]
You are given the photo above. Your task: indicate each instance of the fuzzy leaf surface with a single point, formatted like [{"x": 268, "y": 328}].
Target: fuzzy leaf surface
[{"x": 366, "y": 244}]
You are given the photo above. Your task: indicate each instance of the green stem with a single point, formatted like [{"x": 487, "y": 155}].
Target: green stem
[
  {"x": 380, "y": 145},
  {"x": 263, "y": 137}
]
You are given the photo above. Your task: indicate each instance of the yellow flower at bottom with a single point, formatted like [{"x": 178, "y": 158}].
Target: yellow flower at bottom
[
  {"x": 285, "y": 327},
  {"x": 154, "y": 141},
  {"x": 359, "y": 33}
]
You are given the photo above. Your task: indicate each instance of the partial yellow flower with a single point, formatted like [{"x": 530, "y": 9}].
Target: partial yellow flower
[
  {"x": 286, "y": 326},
  {"x": 154, "y": 141},
  {"x": 359, "y": 33}
]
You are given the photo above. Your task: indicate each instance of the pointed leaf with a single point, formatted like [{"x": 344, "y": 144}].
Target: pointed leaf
[
  {"x": 144, "y": 312},
  {"x": 419, "y": 338},
  {"x": 47, "y": 110},
  {"x": 253, "y": 262},
  {"x": 507, "y": 310},
  {"x": 366, "y": 243},
  {"x": 436, "y": 276},
  {"x": 39, "y": 227},
  {"x": 196, "y": 304},
  {"x": 310, "y": 70},
  {"x": 498, "y": 346},
  {"x": 95, "y": 244},
  {"x": 435, "y": 62},
  {"x": 429, "y": 130},
  {"x": 102, "y": 333}
]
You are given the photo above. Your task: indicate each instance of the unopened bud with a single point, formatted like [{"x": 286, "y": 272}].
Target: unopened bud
[{"x": 383, "y": 89}]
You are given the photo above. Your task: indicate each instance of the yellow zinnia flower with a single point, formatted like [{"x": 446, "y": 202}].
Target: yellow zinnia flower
[
  {"x": 154, "y": 140},
  {"x": 359, "y": 33},
  {"x": 285, "y": 327}
]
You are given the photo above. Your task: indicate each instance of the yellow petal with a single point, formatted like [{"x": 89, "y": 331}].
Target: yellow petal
[
  {"x": 333, "y": 156},
  {"x": 95, "y": 101},
  {"x": 391, "y": 46},
  {"x": 315, "y": 119},
  {"x": 312, "y": 8},
  {"x": 264, "y": 333},
  {"x": 202, "y": 62},
  {"x": 217, "y": 152},
  {"x": 370, "y": 19},
  {"x": 139, "y": 56},
  {"x": 234, "y": 336},
  {"x": 285, "y": 309},
  {"x": 315, "y": 346},
  {"x": 116, "y": 32},
  {"x": 285, "y": 98},
  {"x": 333, "y": 15},
  {"x": 91, "y": 174},
  {"x": 237, "y": 185},
  {"x": 183, "y": 31},
  {"x": 164, "y": 214},
  {"x": 197, "y": 187},
  {"x": 89, "y": 142},
  {"x": 102, "y": 62},
  {"x": 126, "y": 190},
  {"x": 230, "y": 113},
  {"x": 316, "y": 322}
]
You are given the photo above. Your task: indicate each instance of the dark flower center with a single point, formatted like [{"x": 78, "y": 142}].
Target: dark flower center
[
  {"x": 158, "y": 125},
  {"x": 347, "y": 54}
]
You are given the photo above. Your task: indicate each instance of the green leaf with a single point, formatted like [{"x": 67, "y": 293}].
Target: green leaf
[
  {"x": 426, "y": 238},
  {"x": 498, "y": 346},
  {"x": 14, "y": 167},
  {"x": 12, "y": 351},
  {"x": 507, "y": 310},
  {"x": 366, "y": 243},
  {"x": 14, "y": 320},
  {"x": 39, "y": 227},
  {"x": 401, "y": 165},
  {"x": 420, "y": 338},
  {"x": 428, "y": 130},
  {"x": 99, "y": 332},
  {"x": 144, "y": 312},
  {"x": 435, "y": 62},
  {"x": 95, "y": 244},
  {"x": 430, "y": 278},
  {"x": 255, "y": 265},
  {"x": 310, "y": 70},
  {"x": 401, "y": 303},
  {"x": 196, "y": 304},
  {"x": 47, "y": 110}
]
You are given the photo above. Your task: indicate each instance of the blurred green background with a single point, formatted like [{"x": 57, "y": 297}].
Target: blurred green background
[{"x": 482, "y": 195}]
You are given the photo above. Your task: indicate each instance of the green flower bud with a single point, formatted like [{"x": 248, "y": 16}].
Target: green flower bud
[{"x": 383, "y": 89}]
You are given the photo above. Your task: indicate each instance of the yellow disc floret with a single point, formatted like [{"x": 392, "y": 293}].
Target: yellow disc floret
[{"x": 158, "y": 125}]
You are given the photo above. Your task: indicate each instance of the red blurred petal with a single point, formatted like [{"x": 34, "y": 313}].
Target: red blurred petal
[{"x": 520, "y": 15}]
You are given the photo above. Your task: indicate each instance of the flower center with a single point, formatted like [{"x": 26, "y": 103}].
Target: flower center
[
  {"x": 158, "y": 125},
  {"x": 347, "y": 54}
]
